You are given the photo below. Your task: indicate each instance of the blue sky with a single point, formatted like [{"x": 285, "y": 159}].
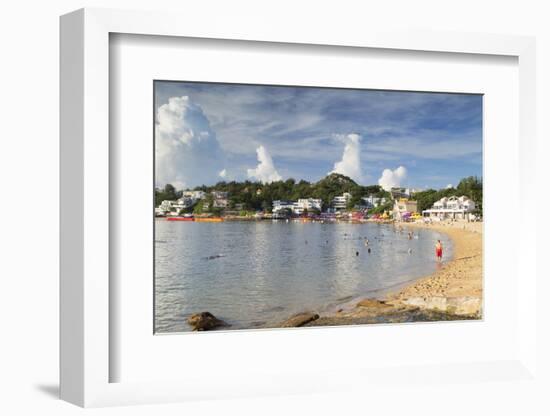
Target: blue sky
[{"x": 209, "y": 132}]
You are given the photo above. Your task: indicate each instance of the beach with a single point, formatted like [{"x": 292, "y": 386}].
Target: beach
[{"x": 453, "y": 292}]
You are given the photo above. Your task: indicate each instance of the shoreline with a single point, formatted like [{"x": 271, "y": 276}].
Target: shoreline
[{"x": 453, "y": 292}]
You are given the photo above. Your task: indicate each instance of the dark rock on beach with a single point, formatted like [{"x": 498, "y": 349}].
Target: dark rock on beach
[
  {"x": 205, "y": 321},
  {"x": 300, "y": 319}
]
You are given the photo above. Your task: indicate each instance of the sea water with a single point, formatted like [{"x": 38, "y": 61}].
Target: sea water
[{"x": 254, "y": 274}]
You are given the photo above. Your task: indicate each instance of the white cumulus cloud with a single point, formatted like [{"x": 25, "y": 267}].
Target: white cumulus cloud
[
  {"x": 265, "y": 171},
  {"x": 350, "y": 165},
  {"x": 187, "y": 152},
  {"x": 392, "y": 178}
]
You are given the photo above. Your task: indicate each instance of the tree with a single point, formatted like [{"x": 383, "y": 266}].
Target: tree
[
  {"x": 472, "y": 187},
  {"x": 168, "y": 193}
]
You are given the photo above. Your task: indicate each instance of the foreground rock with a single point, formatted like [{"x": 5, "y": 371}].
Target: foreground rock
[
  {"x": 205, "y": 321},
  {"x": 300, "y": 319},
  {"x": 462, "y": 305},
  {"x": 375, "y": 311}
]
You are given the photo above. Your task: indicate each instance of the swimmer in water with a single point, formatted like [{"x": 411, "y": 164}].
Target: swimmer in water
[
  {"x": 356, "y": 253},
  {"x": 439, "y": 250}
]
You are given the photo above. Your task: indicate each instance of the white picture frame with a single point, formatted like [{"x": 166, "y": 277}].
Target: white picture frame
[{"x": 85, "y": 217}]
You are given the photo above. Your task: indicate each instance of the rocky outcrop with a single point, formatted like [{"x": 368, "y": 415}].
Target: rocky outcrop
[
  {"x": 299, "y": 320},
  {"x": 205, "y": 321},
  {"x": 461, "y": 305}
]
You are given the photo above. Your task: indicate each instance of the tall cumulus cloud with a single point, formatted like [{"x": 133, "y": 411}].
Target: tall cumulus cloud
[
  {"x": 350, "y": 165},
  {"x": 392, "y": 178},
  {"x": 265, "y": 172},
  {"x": 187, "y": 151}
]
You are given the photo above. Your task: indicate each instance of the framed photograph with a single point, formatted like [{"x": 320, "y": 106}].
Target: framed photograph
[
  {"x": 238, "y": 210},
  {"x": 254, "y": 230}
]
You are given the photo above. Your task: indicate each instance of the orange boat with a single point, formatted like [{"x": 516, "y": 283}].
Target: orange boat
[
  {"x": 209, "y": 219},
  {"x": 180, "y": 219}
]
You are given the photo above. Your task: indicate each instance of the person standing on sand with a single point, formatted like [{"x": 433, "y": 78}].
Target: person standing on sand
[{"x": 439, "y": 250}]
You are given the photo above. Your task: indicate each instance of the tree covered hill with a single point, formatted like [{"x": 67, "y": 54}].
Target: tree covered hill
[{"x": 260, "y": 196}]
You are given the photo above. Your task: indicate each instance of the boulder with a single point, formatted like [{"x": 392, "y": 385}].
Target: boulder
[
  {"x": 299, "y": 320},
  {"x": 205, "y": 321}
]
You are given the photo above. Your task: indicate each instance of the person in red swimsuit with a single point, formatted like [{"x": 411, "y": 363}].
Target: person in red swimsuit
[{"x": 439, "y": 250}]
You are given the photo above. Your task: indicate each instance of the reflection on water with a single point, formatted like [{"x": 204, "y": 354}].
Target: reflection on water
[{"x": 257, "y": 273}]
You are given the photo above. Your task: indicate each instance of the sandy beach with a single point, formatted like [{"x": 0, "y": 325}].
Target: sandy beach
[{"x": 453, "y": 292}]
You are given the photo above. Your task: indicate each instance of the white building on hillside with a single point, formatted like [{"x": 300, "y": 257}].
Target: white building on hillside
[
  {"x": 341, "y": 202},
  {"x": 174, "y": 207},
  {"x": 308, "y": 204},
  {"x": 452, "y": 207},
  {"x": 196, "y": 195},
  {"x": 219, "y": 194},
  {"x": 220, "y": 199}
]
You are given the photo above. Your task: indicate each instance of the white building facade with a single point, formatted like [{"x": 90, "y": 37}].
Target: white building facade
[
  {"x": 451, "y": 208},
  {"x": 341, "y": 202},
  {"x": 308, "y": 204},
  {"x": 297, "y": 207},
  {"x": 280, "y": 206}
]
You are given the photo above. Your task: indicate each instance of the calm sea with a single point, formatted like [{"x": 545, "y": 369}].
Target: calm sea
[{"x": 254, "y": 274}]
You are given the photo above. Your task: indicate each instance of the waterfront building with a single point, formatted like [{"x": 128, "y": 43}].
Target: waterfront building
[
  {"x": 308, "y": 204},
  {"x": 166, "y": 206},
  {"x": 451, "y": 208},
  {"x": 297, "y": 207},
  {"x": 280, "y": 207},
  {"x": 169, "y": 207},
  {"x": 341, "y": 202},
  {"x": 403, "y": 208}
]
